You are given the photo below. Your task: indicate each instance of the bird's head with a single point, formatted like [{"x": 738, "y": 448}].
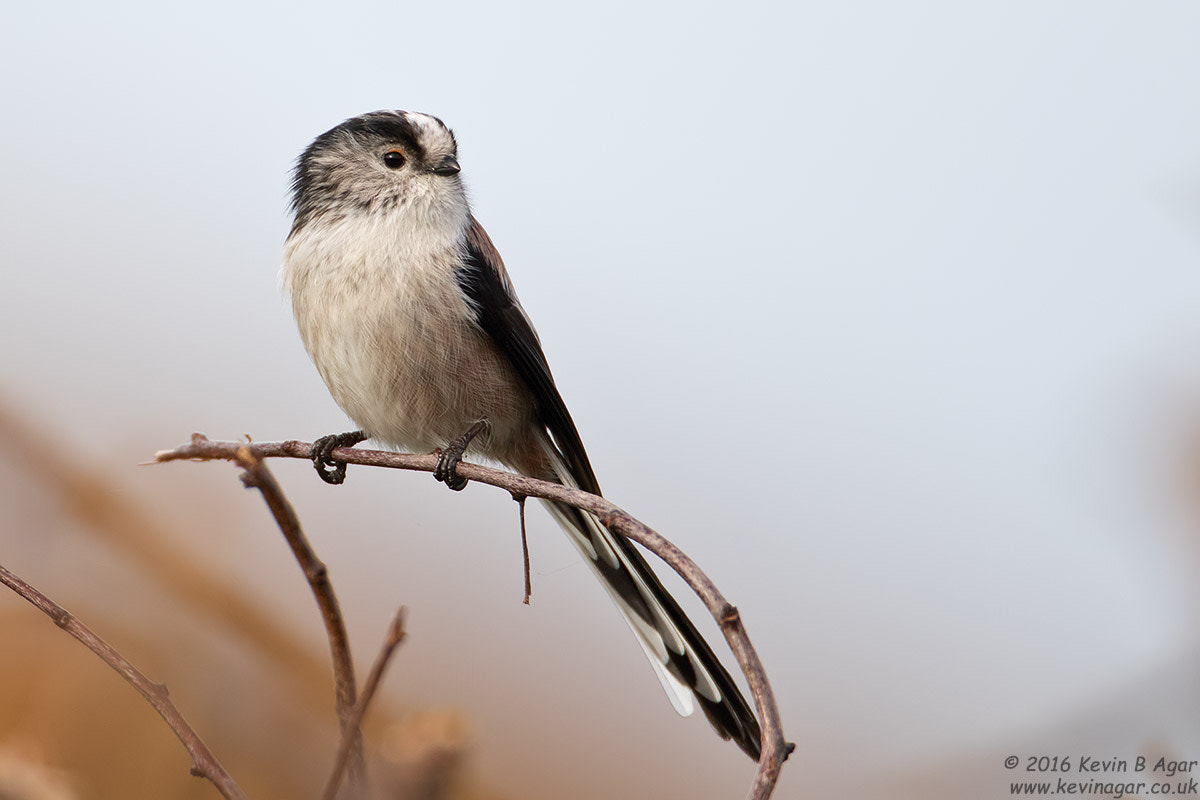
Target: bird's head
[{"x": 384, "y": 162}]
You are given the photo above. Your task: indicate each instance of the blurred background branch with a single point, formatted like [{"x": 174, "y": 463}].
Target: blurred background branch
[{"x": 204, "y": 763}]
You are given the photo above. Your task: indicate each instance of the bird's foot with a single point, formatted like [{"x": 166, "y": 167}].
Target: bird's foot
[
  {"x": 447, "y": 466},
  {"x": 329, "y": 468}
]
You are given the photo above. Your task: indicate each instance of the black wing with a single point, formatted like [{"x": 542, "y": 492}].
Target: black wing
[{"x": 485, "y": 282}]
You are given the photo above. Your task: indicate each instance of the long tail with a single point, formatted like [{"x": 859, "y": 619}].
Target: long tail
[{"x": 684, "y": 663}]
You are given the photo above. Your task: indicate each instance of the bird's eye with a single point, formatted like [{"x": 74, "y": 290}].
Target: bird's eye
[{"x": 394, "y": 159}]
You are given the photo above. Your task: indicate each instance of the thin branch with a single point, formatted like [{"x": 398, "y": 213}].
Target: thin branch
[
  {"x": 257, "y": 476},
  {"x": 520, "y": 498},
  {"x": 395, "y": 635},
  {"x": 204, "y": 763},
  {"x": 775, "y": 749}
]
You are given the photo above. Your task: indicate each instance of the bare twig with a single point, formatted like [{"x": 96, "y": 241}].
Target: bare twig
[
  {"x": 520, "y": 498},
  {"x": 257, "y": 476},
  {"x": 204, "y": 763},
  {"x": 395, "y": 635},
  {"x": 775, "y": 749}
]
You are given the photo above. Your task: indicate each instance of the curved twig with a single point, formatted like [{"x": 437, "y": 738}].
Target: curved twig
[
  {"x": 257, "y": 476},
  {"x": 775, "y": 749},
  {"x": 204, "y": 763}
]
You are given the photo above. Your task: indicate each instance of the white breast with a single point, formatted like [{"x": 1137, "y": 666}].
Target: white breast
[{"x": 381, "y": 313}]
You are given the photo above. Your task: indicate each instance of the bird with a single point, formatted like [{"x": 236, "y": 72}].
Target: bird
[{"x": 409, "y": 314}]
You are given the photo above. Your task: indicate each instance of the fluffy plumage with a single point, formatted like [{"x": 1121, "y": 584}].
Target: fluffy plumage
[{"x": 408, "y": 312}]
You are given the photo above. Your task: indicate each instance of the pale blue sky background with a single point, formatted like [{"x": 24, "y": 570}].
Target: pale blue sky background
[{"x": 885, "y": 312}]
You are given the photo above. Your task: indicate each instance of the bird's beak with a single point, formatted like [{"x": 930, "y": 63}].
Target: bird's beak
[{"x": 446, "y": 166}]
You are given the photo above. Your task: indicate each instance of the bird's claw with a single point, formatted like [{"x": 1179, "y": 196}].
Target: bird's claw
[
  {"x": 329, "y": 468},
  {"x": 446, "y": 470}
]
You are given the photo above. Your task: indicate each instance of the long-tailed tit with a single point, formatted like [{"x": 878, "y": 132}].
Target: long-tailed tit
[{"x": 406, "y": 309}]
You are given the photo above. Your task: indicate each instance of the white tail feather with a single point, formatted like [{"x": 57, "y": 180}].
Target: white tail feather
[
  {"x": 647, "y": 636},
  {"x": 655, "y": 638}
]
